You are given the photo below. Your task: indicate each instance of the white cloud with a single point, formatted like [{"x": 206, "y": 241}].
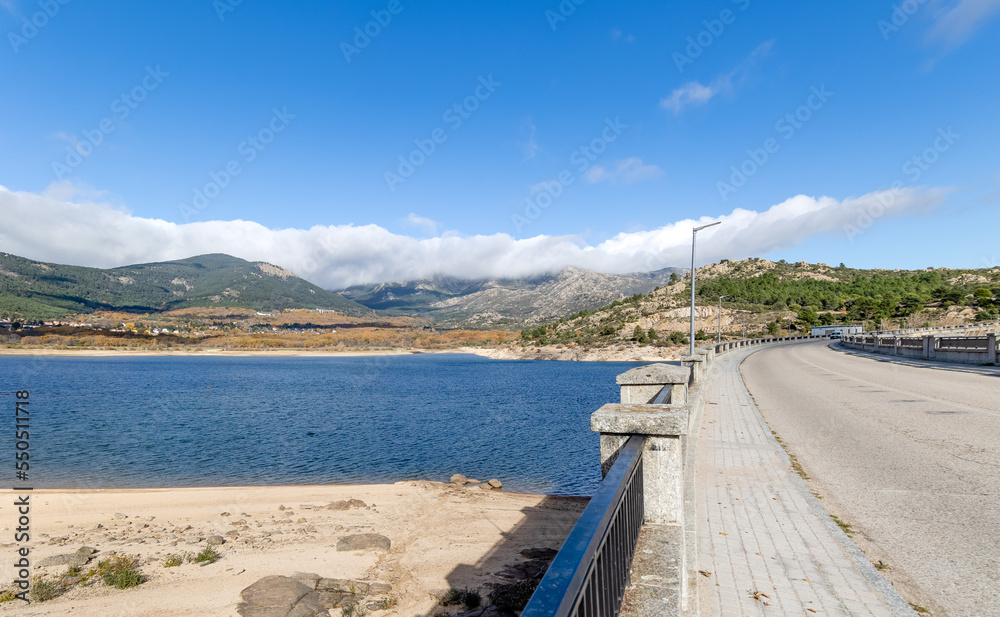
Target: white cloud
[
  {"x": 60, "y": 227},
  {"x": 422, "y": 222},
  {"x": 530, "y": 148},
  {"x": 618, "y": 35},
  {"x": 628, "y": 170},
  {"x": 70, "y": 139},
  {"x": 695, "y": 93},
  {"x": 956, "y": 20}
]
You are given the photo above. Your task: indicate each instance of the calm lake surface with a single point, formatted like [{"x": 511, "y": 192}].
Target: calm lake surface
[{"x": 165, "y": 422}]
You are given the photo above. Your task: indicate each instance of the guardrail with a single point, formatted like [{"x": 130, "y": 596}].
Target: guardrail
[
  {"x": 644, "y": 456},
  {"x": 960, "y": 349},
  {"x": 588, "y": 576},
  {"x": 984, "y": 324},
  {"x": 749, "y": 342},
  {"x": 962, "y": 343}
]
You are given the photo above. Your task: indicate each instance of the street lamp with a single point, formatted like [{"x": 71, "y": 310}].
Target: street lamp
[
  {"x": 720, "y": 318},
  {"x": 744, "y": 324},
  {"x": 694, "y": 239}
]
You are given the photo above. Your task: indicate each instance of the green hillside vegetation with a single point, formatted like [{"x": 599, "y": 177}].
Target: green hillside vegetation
[
  {"x": 862, "y": 295},
  {"x": 780, "y": 295},
  {"x": 31, "y": 290}
]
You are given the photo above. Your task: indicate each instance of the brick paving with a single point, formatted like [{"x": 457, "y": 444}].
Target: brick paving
[{"x": 761, "y": 532}]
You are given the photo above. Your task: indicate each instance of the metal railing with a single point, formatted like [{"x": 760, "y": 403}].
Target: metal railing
[
  {"x": 588, "y": 576},
  {"x": 962, "y": 343},
  {"x": 749, "y": 342},
  {"x": 911, "y": 343}
]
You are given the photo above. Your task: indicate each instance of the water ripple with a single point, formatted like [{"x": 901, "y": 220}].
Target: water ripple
[{"x": 162, "y": 421}]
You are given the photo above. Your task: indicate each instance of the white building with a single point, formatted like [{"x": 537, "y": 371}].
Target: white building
[{"x": 845, "y": 330}]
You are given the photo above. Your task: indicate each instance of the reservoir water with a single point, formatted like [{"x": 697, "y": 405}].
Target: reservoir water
[{"x": 121, "y": 422}]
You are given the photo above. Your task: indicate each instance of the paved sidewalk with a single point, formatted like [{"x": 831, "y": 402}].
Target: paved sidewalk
[{"x": 761, "y": 532}]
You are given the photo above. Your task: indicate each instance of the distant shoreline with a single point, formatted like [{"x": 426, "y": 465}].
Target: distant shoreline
[
  {"x": 565, "y": 354},
  {"x": 219, "y": 352}
]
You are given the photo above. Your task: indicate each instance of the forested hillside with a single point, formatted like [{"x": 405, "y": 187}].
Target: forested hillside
[
  {"x": 818, "y": 290},
  {"x": 36, "y": 290},
  {"x": 779, "y": 296}
]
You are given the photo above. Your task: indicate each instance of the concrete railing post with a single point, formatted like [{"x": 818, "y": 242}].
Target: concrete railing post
[
  {"x": 641, "y": 385},
  {"x": 991, "y": 346},
  {"x": 665, "y": 428},
  {"x": 928, "y": 346},
  {"x": 697, "y": 365}
]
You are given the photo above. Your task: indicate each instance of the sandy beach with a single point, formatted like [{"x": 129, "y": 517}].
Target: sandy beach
[
  {"x": 621, "y": 353},
  {"x": 440, "y": 536}
]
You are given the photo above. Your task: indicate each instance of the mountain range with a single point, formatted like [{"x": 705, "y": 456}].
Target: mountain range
[
  {"x": 39, "y": 290},
  {"x": 506, "y": 303}
]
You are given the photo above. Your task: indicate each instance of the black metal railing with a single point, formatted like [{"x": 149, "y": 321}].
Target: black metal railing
[{"x": 588, "y": 576}]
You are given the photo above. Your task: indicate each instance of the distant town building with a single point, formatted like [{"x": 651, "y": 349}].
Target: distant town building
[{"x": 844, "y": 330}]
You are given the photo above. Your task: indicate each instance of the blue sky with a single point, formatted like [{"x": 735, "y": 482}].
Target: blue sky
[{"x": 553, "y": 134}]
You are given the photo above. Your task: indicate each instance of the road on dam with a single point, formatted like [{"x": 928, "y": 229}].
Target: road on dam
[{"x": 908, "y": 456}]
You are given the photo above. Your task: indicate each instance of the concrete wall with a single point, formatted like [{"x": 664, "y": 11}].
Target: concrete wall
[
  {"x": 932, "y": 348},
  {"x": 668, "y": 461},
  {"x": 976, "y": 329}
]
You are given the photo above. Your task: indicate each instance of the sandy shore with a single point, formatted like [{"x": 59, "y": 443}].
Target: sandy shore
[
  {"x": 442, "y": 536},
  {"x": 622, "y": 353}
]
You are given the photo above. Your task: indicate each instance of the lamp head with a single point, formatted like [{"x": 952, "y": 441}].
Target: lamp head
[{"x": 696, "y": 229}]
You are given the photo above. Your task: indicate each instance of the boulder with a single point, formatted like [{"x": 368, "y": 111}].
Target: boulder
[
  {"x": 459, "y": 479},
  {"x": 69, "y": 559},
  {"x": 346, "y": 504},
  {"x": 364, "y": 542},
  {"x": 307, "y": 578},
  {"x": 342, "y": 585},
  {"x": 280, "y": 596},
  {"x": 494, "y": 483},
  {"x": 336, "y": 599},
  {"x": 215, "y": 540},
  {"x": 379, "y": 589}
]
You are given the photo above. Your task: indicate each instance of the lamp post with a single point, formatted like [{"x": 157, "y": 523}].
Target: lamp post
[
  {"x": 744, "y": 324},
  {"x": 720, "y": 318},
  {"x": 694, "y": 239}
]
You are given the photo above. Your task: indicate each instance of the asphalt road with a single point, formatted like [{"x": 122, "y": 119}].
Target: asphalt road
[{"x": 909, "y": 456}]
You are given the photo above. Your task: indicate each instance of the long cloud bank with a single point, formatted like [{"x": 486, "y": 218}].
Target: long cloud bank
[{"x": 61, "y": 228}]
